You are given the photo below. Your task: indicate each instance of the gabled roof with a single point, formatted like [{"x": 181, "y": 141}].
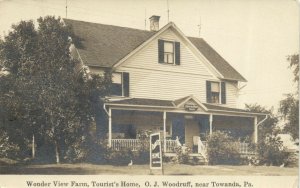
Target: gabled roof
[{"x": 105, "y": 45}]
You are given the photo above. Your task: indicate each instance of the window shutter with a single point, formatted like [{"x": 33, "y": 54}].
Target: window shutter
[
  {"x": 208, "y": 91},
  {"x": 160, "y": 51},
  {"x": 223, "y": 92},
  {"x": 177, "y": 53},
  {"x": 125, "y": 84}
]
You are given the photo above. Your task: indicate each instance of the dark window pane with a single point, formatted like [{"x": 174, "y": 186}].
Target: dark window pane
[{"x": 116, "y": 89}]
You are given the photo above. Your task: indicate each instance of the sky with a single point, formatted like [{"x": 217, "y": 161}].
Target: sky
[{"x": 254, "y": 36}]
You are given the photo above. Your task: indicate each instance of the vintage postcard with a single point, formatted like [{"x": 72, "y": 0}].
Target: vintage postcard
[{"x": 140, "y": 93}]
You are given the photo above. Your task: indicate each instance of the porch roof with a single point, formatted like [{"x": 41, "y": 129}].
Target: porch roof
[{"x": 142, "y": 102}]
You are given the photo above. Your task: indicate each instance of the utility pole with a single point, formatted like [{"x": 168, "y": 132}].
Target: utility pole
[
  {"x": 145, "y": 19},
  {"x": 168, "y": 11},
  {"x": 199, "y": 27},
  {"x": 66, "y": 8}
]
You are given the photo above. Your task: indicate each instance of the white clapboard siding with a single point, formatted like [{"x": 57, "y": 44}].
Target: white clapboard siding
[
  {"x": 147, "y": 58},
  {"x": 152, "y": 80},
  {"x": 165, "y": 85},
  {"x": 231, "y": 94}
]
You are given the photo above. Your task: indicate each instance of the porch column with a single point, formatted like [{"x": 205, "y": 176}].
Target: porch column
[
  {"x": 109, "y": 127},
  {"x": 165, "y": 131},
  {"x": 255, "y": 130},
  {"x": 210, "y": 123}
]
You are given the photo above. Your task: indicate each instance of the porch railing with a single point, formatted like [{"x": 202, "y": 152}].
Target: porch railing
[
  {"x": 171, "y": 145},
  {"x": 245, "y": 149},
  {"x": 136, "y": 144},
  {"x": 120, "y": 144}
]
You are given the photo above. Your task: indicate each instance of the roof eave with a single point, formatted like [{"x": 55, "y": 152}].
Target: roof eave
[{"x": 237, "y": 112}]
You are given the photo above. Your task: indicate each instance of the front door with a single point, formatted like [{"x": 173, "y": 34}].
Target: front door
[
  {"x": 178, "y": 129},
  {"x": 191, "y": 130}
]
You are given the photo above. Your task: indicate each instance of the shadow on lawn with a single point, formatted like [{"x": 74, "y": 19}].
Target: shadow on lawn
[{"x": 23, "y": 169}]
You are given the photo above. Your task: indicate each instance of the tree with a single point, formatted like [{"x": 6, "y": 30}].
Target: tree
[
  {"x": 294, "y": 65},
  {"x": 268, "y": 127},
  {"x": 17, "y": 96},
  {"x": 49, "y": 97},
  {"x": 289, "y": 107}
]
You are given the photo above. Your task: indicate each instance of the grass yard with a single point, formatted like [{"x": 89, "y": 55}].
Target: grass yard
[{"x": 170, "y": 169}]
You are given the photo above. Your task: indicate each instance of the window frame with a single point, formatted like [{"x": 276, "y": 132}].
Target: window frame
[
  {"x": 122, "y": 84},
  {"x": 213, "y": 92},
  {"x": 175, "y": 54},
  {"x": 220, "y": 92},
  {"x": 169, "y": 53}
]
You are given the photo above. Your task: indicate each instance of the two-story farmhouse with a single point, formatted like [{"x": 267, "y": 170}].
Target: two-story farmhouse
[{"x": 164, "y": 82}]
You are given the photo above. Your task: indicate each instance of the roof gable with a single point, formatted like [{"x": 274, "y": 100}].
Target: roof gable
[
  {"x": 107, "y": 46},
  {"x": 146, "y": 56},
  {"x": 189, "y": 102}
]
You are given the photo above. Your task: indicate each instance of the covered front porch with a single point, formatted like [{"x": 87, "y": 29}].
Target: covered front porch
[{"x": 129, "y": 125}]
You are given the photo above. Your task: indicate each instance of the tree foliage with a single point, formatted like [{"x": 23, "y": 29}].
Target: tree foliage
[
  {"x": 45, "y": 93},
  {"x": 268, "y": 127},
  {"x": 294, "y": 65},
  {"x": 289, "y": 107},
  {"x": 271, "y": 151}
]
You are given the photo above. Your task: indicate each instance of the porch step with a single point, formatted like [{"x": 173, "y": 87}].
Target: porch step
[{"x": 197, "y": 159}]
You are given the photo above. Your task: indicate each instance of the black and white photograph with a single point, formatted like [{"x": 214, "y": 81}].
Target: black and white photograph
[{"x": 159, "y": 90}]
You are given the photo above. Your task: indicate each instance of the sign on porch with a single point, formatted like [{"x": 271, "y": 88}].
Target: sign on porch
[
  {"x": 155, "y": 151},
  {"x": 191, "y": 106}
]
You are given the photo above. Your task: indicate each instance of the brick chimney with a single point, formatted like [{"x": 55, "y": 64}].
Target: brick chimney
[{"x": 154, "y": 23}]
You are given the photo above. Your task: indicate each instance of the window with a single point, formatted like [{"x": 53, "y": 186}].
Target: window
[
  {"x": 120, "y": 84},
  {"x": 168, "y": 52},
  {"x": 216, "y": 92}
]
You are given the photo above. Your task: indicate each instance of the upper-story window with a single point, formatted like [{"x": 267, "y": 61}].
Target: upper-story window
[
  {"x": 120, "y": 84},
  {"x": 216, "y": 92},
  {"x": 168, "y": 52}
]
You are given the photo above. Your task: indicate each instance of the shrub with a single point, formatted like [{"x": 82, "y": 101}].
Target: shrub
[
  {"x": 86, "y": 150},
  {"x": 141, "y": 157},
  {"x": 221, "y": 149},
  {"x": 271, "y": 151},
  {"x": 7, "y": 148},
  {"x": 182, "y": 155},
  {"x": 119, "y": 158}
]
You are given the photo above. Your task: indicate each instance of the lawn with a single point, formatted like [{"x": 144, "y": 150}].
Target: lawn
[{"x": 170, "y": 169}]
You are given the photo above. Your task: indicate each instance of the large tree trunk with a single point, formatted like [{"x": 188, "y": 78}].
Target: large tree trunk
[
  {"x": 57, "y": 152},
  {"x": 33, "y": 147}
]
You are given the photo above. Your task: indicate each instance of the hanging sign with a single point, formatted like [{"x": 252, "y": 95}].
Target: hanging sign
[
  {"x": 155, "y": 151},
  {"x": 191, "y": 106}
]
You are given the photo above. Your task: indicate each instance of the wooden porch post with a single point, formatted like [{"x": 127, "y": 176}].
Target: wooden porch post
[
  {"x": 255, "y": 130},
  {"x": 109, "y": 127},
  {"x": 210, "y": 123},
  {"x": 165, "y": 131}
]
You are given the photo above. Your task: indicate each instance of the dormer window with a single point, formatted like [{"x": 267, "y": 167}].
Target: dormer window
[
  {"x": 168, "y": 52},
  {"x": 215, "y": 92}
]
